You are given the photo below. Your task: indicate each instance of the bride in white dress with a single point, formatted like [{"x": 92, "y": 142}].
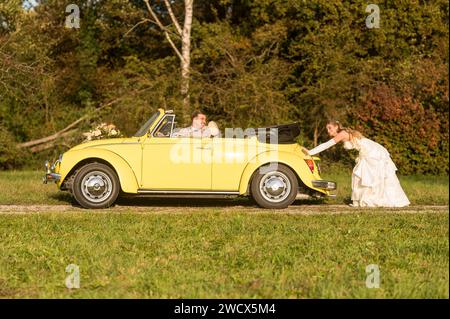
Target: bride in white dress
[{"x": 374, "y": 179}]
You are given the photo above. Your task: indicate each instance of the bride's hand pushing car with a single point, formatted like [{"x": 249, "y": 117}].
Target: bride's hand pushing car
[{"x": 305, "y": 150}]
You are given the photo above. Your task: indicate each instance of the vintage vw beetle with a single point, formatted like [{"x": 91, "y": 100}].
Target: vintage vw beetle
[{"x": 265, "y": 164}]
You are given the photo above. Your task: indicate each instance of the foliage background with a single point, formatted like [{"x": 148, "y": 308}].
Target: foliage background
[{"x": 254, "y": 63}]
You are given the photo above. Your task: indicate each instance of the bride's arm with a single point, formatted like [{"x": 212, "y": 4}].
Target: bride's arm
[
  {"x": 341, "y": 136},
  {"x": 322, "y": 147}
]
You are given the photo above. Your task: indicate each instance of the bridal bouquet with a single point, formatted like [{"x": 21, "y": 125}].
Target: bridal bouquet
[{"x": 102, "y": 131}]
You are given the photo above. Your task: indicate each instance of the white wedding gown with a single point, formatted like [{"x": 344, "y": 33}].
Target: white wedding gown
[{"x": 374, "y": 179}]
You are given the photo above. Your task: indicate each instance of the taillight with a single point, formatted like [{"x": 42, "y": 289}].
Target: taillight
[{"x": 310, "y": 163}]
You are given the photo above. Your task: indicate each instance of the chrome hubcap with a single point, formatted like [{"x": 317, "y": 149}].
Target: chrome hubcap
[
  {"x": 275, "y": 187},
  {"x": 96, "y": 186}
]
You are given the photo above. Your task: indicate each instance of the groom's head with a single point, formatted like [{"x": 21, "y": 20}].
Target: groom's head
[{"x": 198, "y": 119}]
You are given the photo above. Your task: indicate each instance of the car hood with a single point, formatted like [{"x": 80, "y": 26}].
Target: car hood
[{"x": 109, "y": 141}]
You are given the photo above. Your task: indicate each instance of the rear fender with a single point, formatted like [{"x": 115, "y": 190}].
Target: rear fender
[{"x": 293, "y": 161}]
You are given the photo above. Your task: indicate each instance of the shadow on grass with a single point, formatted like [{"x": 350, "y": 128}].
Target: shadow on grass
[
  {"x": 63, "y": 198},
  {"x": 182, "y": 202},
  {"x": 143, "y": 201},
  {"x": 200, "y": 202},
  {"x": 347, "y": 200}
]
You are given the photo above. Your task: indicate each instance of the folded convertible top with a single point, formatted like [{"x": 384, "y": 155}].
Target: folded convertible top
[{"x": 286, "y": 133}]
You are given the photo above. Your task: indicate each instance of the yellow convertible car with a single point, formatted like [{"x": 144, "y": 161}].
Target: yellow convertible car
[{"x": 265, "y": 164}]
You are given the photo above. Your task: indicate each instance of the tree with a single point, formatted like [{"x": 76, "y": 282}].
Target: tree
[
  {"x": 248, "y": 63},
  {"x": 185, "y": 36}
]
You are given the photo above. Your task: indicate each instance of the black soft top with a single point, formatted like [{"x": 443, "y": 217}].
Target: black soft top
[{"x": 286, "y": 133}]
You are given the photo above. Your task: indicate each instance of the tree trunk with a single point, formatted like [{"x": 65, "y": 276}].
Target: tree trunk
[
  {"x": 62, "y": 132},
  {"x": 50, "y": 144},
  {"x": 186, "y": 60},
  {"x": 316, "y": 134},
  {"x": 185, "y": 54}
]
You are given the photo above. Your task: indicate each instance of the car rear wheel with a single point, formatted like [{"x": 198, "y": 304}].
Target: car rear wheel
[
  {"x": 96, "y": 185},
  {"x": 274, "y": 186}
]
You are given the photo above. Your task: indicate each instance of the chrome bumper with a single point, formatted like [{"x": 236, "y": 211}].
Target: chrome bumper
[
  {"x": 325, "y": 185},
  {"x": 51, "y": 177},
  {"x": 50, "y": 174}
]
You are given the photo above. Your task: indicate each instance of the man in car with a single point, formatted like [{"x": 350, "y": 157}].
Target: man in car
[{"x": 198, "y": 127}]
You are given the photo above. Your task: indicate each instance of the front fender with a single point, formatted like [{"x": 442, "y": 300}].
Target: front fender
[
  {"x": 127, "y": 178},
  {"x": 295, "y": 162}
]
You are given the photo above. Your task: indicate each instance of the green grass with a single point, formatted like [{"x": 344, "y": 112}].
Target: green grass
[
  {"x": 184, "y": 250},
  {"x": 25, "y": 187},
  {"x": 211, "y": 253},
  {"x": 420, "y": 189}
]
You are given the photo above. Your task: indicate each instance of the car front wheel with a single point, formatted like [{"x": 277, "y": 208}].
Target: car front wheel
[
  {"x": 274, "y": 186},
  {"x": 96, "y": 185}
]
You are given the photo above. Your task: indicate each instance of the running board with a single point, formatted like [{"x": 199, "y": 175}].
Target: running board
[
  {"x": 200, "y": 194},
  {"x": 188, "y": 194}
]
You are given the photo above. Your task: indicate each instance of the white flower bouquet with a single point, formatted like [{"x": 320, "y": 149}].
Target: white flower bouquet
[{"x": 102, "y": 131}]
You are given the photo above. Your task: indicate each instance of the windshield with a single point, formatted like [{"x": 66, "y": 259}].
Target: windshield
[{"x": 144, "y": 128}]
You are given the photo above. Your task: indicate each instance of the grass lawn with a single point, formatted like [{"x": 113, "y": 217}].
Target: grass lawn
[
  {"x": 25, "y": 187},
  {"x": 206, "y": 253},
  {"x": 223, "y": 251},
  {"x": 420, "y": 189}
]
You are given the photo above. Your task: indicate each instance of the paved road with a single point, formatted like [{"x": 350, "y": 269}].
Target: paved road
[{"x": 181, "y": 209}]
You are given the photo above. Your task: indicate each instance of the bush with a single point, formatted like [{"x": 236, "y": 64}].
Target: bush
[
  {"x": 10, "y": 155},
  {"x": 415, "y": 136}
]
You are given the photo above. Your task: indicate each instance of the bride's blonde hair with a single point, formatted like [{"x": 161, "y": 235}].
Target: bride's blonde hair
[{"x": 354, "y": 134}]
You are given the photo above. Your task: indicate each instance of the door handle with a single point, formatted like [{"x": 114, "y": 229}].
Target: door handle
[{"x": 203, "y": 147}]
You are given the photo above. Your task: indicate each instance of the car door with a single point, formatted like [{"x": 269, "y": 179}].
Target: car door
[
  {"x": 229, "y": 158},
  {"x": 176, "y": 164}
]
